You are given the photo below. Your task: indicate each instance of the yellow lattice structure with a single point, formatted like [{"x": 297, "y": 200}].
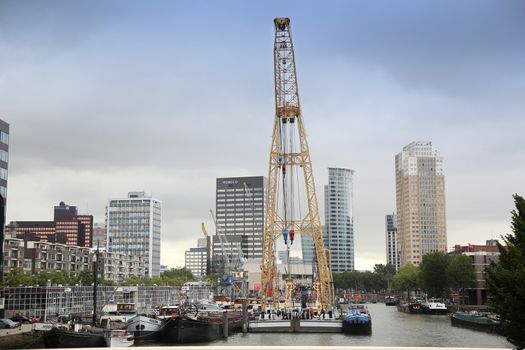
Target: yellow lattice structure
[{"x": 282, "y": 159}]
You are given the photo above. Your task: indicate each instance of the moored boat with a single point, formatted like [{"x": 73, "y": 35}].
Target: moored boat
[
  {"x": 61, "y": 338},
  {"x": 434, "y": 307},
  {"x": 144, "y": 328},
  {"x": 480, "y": 321},
  {"x": 357, "y": 321},
  {"x": 390, "y": 301},
  {"x": 182, "y": 330},
  {"x": 413, "y": 307}
]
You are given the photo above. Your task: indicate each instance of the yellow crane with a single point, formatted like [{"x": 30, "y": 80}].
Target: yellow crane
[{"x": 289, "y": 155}]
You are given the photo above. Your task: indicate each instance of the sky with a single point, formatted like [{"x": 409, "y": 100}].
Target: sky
[{"x": 107, "y": 97}]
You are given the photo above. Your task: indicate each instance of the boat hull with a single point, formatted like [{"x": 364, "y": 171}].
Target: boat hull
[
  {"x": 356, "y": 328},
  {"x": 410, "y": 308},
  {"x": 471, "y": 323},
  {"x": 180, "y": 330},
  {"x": 57, "y": 338},
  {"x": 144, "y": 329}
]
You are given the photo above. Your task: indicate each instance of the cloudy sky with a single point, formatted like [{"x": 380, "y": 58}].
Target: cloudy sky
[{"x": 106, "y": 97}]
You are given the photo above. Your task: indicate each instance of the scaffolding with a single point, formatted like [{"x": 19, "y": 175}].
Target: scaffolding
[{"x": 54, "y": 301}]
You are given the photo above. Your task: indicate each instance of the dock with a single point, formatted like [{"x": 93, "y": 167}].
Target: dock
[{"x": 296, "y": 326}]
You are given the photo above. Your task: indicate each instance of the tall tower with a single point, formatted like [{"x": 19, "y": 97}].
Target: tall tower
[
  {"x": 290, "y": 177},
  {"x": 134, "y": 229},
  {"x": 339, "y": 218},
  {"x": 420, "y": 199}
]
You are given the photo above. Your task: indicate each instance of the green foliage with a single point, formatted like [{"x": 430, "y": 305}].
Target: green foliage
[
  {"x": 176, "y": 277},
  {"x": 506, "y": 279},
  {"x": 433, "y": 273},
  {"x": 460, "y": 272},
  {"x": 17, "y": 277},
  {"x": 360, "y": 281},
  {"x": 407, "y": 278},
  {"x": 85, "y": 277},
  {"x": 387, "y": 270}
]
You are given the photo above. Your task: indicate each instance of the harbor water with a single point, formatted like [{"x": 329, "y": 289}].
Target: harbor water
[{"x": 389, "y": 328}]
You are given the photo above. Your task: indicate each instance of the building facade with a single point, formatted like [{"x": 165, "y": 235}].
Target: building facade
[
  {"x": 197, "y": 260},
  {"x": 420, "y": 200},
  {"x": 481, "y": 256},
  {"x": 118, "y": 267},
  {"x": 67, "y": 227},
  {"x": 134, "y": 228},
  {"x": 240, "y": 213},
  {"x": 36, "y": 257},
  {"x": 339, "y": 220},
  {"x": 392, "y": 251}
]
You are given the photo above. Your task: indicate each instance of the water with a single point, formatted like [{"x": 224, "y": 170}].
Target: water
[{"x": 389, "y": 328}]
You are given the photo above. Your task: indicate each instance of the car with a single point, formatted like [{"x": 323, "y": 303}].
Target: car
[
  {"x": 21, "y": 319},
  {"x": 7, "y": 323}
]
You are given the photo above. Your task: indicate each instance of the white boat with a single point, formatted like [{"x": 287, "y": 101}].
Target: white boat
[
  {"x": 434, "y": 307},
  {"x": 144, "y": 328},
  {"x": 118, "y": 338},
  {"x": 120, "y": 312}
]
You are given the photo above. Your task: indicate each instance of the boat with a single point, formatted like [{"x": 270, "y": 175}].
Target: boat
[
  {"x": 481, "y": 321},
  {"x": 357, "y": 321},
  {"x": 62, "y": 338},
  {"x": 413, "y": 307},
  {"x": 118, "y": 338},
  {"x": 193, "y": 327},
  {"x": 144, "y": 329},
  {"x": 168, "y": 311},
  {"x": 433, "y": 307},
  {"x": 120, "y": 312},
  {"x": 390, "y": 301}
]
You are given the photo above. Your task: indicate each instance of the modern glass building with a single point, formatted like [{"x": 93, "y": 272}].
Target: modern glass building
[
  {"x": 339, "y": 219},
  {"x": 133, "y": 228},
  {"x": 420, "y": 200}
]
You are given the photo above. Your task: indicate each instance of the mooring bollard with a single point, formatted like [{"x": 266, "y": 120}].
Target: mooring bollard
[
  {"x": 245, "y": 316},
  {"x": 225, "y": 324}
]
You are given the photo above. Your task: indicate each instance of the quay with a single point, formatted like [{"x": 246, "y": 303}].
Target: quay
[{"x": 296, "y": 326}]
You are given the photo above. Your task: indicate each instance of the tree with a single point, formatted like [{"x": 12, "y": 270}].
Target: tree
[
  {"x": 177, "y": 276},
  {"x": 433, "y": 273},
  {"x": 17, "y": 277},
  {"x": 407, "y": 278},
  {"x": 506, "y": 278},
  {"x": 460, "y": 273},
  {"x": 85, "y": 277}
]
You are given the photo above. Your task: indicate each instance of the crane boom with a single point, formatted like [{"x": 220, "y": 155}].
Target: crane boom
[{"x": 279, "y": 218}]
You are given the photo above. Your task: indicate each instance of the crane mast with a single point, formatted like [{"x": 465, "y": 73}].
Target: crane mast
[{"x": 287, "y": 154}]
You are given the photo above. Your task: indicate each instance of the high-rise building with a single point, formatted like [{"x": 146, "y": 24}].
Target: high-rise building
[
  {"x": 133, "y": 228},
  {"x": 240, "y": 213},
  {"x": 339, "y": 219},
  {"x": 420, "y": 200},
  {"x": 392, "y": 250},
  {"x": 307, "y": 248},
  {"x": 68, "y": 227}
]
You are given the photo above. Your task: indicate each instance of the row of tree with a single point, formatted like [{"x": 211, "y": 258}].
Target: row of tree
[
  {"x": 367, "y": 281},
  {"x": 16, "y": 277},
  {"x": 436, "y": 275}
]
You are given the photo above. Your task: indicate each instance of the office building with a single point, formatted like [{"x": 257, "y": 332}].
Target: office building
[
  {"x": 392, "y": 251},
  {"x": 67, "y": 227},
  {"x": 339, "y": 220},
  {"x": 420, "y": 200},
  {"x": 133, "y": 228},
  {"x": 197, "y": 260},
  {"x": 240, "y": 214},
  {"x": 4, "y": 157},
  {"x": 481, "y": 257},
  {"x": 307, "y": 248}
]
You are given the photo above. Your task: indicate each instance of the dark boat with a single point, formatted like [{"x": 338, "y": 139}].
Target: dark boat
[
  {"x": 358, "y": 321},
  {"x": 61, "y": 338},
  {"x": 390, "y": 301},
  {"x": 184, "y": 329},
  {"x": 410, "y": 308},
  {"x": 485, "y": 322}
]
